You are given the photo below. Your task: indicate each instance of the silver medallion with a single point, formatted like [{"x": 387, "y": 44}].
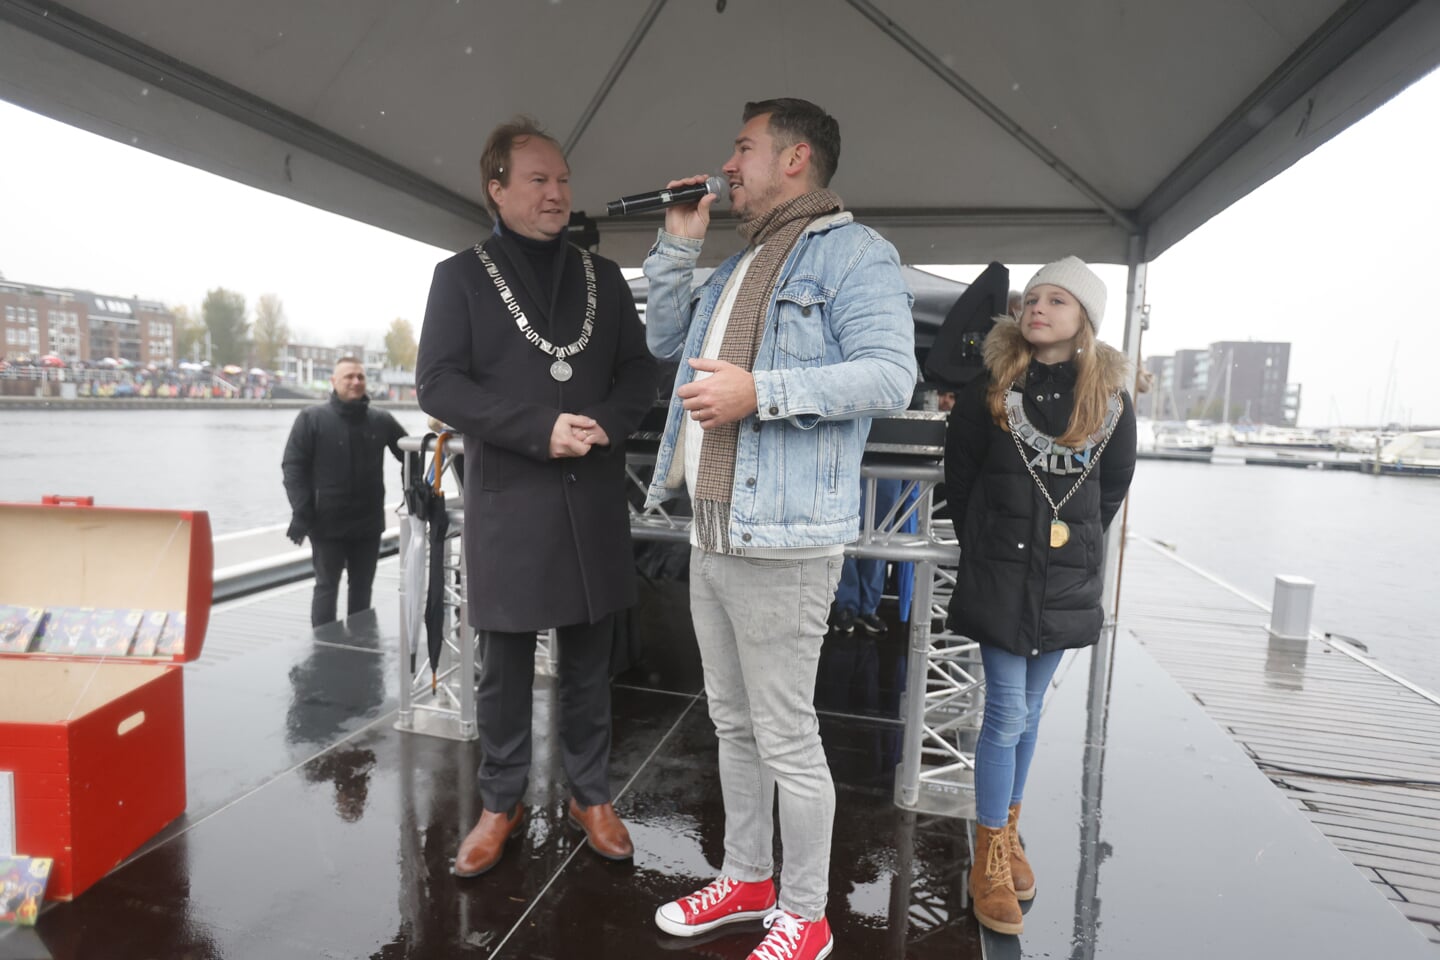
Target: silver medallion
[{"x": 560, "y": 371}]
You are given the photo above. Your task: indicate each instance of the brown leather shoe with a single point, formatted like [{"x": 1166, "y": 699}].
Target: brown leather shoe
[
  {"x": 604, "y": 833},
  {"x": 483, "y": 846}
]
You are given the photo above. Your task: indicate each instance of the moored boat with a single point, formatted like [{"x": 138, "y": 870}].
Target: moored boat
[{"x": 1416, "y": 454}]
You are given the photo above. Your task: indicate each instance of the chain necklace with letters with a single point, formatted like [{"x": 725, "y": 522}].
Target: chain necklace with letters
[
  {"x": 559, "y": 370},
  {"x": 1045, "y": 445}
]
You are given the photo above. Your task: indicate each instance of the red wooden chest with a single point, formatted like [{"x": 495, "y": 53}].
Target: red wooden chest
[{"x": 96, "y": 742}]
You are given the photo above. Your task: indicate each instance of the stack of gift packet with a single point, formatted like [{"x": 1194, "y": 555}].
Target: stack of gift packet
[{"x": 92, "y": 631}]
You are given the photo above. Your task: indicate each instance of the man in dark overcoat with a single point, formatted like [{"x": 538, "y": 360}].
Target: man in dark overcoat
[{"x": 533, "y": 350}]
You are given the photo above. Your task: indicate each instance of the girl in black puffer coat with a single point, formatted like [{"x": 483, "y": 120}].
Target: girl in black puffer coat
[{"x": 1038, "y": 457}]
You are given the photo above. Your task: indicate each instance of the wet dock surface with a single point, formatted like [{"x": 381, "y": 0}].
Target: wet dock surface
[
  {"x": 1357, "y": 752},
  {"x": 315, "y": 829}
]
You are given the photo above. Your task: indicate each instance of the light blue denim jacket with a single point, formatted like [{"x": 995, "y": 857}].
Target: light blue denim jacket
[{"x": 838, "y": 347}]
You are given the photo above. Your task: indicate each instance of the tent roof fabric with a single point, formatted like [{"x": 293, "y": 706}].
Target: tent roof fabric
[{"x": 1019, "y": 131}]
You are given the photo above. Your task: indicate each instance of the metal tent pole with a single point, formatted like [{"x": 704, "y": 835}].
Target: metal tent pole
[{"x": 1136, "y": 320}]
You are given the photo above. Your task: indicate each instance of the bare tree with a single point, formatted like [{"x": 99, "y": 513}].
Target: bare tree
[
  {"x": 271, "y": 332},
  {"x": 400, "y": 344}
]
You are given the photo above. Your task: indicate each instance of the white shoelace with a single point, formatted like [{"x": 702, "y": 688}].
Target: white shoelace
[
  {"x": 711, "y": 895},
  {"x": 783, "y": 927}
]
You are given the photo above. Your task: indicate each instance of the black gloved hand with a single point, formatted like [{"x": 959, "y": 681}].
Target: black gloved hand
[{"x": 297, "y": 531}]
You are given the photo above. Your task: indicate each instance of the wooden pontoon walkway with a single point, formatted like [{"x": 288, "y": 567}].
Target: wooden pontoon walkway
[{"x": 1355, "y": 749}]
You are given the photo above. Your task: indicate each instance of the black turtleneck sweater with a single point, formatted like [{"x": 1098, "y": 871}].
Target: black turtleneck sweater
[{"x": 540, "y": 264}]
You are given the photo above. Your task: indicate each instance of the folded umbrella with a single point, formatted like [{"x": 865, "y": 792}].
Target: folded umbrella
[
  {"x": 437, "y": 517},
  {"x": 412, "y": 565}
]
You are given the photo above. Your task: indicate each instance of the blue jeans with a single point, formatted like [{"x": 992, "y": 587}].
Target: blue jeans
[
  {"x": 1014, "y": 692},
  {"x": 863, "y": 581}
]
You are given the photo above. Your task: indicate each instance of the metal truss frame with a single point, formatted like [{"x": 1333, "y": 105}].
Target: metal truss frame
[{"x": 440, "y": 703}]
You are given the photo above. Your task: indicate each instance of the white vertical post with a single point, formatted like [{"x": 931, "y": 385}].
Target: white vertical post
[
  {"x": 469, "y": 639},
  {"x": 407, "y": 642},
  {"x": 1290, "y": 613}
]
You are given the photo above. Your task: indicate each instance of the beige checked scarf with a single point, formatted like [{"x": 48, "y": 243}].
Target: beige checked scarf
[{"x": 777, "y": 230}]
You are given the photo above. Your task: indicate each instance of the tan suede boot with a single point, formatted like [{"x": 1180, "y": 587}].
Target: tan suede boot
[
  {"x": 1020, "y": 871},
  {"x": 992, "y": 891}
]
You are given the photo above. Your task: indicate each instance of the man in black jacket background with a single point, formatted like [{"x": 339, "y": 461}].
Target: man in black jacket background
[{"x": 333, "y": 467}]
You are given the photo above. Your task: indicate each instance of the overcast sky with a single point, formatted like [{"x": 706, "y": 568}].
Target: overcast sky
[{"x": 1336, "y": 255}]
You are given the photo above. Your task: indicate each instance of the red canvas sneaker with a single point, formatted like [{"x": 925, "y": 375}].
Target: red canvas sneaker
[
  {"x": 725, "y": 901},
  {"x": 791, "y": 938}
]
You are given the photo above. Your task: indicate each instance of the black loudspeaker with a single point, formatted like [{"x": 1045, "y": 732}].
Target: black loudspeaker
[{"x": 957, "y": 356}]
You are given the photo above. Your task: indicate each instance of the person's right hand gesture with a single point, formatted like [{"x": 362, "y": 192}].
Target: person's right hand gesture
[
  {"x": 689, "y": 219},
  {"x": 570, "y": 436}
]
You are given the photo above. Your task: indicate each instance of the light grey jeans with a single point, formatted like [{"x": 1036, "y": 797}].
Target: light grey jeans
[{"x": 760, "y": 624}]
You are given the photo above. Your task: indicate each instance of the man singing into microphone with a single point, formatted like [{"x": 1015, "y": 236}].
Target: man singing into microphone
[
  {"x": 533, "y": 350},
  {"x": 791, "y": 346}
]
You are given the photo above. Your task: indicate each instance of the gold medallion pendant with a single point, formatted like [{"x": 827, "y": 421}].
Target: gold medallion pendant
[{"x": 1059, "y": 533}]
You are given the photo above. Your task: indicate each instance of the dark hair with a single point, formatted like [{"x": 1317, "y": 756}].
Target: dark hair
[
  {"x": 495, "y": 158},
  {"x": 795, "y": 121}
]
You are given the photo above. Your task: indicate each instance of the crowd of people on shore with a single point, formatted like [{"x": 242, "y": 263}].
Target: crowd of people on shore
[{"x": 124, "y": 379}]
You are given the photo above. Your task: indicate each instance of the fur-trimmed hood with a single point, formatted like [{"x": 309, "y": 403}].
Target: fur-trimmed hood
[{"x": 1005, "y": 342}]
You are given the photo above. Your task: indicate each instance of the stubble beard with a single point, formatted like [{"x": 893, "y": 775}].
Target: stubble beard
[{"x": 758, "y": 204}]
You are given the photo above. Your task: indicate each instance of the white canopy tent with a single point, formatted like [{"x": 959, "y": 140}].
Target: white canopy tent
[{"x": 973, "y": 131}]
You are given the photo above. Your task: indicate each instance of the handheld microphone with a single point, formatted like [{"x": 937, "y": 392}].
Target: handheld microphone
[{"x": 660, "y": 199}]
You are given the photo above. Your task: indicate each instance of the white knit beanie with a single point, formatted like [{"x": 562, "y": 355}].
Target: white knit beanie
[{"x": 1072, "y": 274}]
